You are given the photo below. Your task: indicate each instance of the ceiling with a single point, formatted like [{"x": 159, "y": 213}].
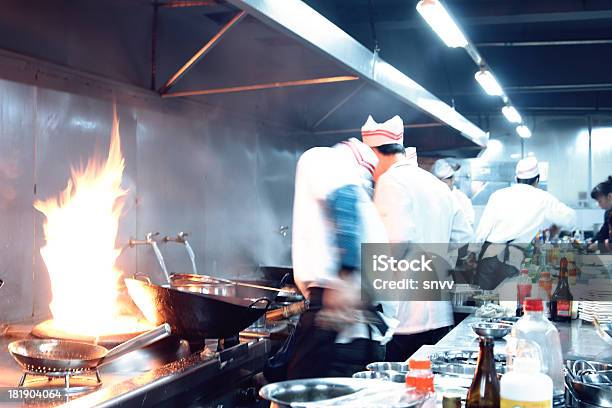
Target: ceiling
[
  {"x": 537, "y": 75},
  {"x": 113, "y": 39}
]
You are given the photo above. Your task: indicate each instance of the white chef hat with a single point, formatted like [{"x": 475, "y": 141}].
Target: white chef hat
[
  {"x": 378, "y": 134},
  {"x": 527, "y": 168},
  {"x": 364, "y": 155},
  {"x": 442, "y": 169}
]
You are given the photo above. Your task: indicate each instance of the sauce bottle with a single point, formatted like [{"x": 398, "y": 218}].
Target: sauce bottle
[
  {"x": 561, "y": 300},
  {"x": 484, "y": 391}
]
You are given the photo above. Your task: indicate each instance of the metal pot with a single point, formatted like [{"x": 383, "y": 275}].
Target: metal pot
[{"x": 187, "y": 282}]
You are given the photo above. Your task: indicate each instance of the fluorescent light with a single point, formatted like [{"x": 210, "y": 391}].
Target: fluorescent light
[
  {"x": 442, "y": 23},
  {"x": 511, "y": 114},
  {"x": 523, "y": 131},
  {"x": 488, "y": 82}
]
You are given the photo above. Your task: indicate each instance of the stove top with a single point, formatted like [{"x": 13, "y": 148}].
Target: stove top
[{"x": 162, "y": 371}]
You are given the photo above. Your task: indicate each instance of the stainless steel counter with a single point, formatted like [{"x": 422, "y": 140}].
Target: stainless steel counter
[
  {"x": 164, "y": 374},
  {"x": 578, "y": 341}
]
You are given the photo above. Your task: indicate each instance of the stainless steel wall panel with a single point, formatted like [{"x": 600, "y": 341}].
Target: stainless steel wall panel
[
  {"x": 16, "y": 195},
  {"x": 275, "y": 182}
]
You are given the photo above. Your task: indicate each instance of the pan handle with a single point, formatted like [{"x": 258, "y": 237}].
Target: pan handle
[
  {"x": 141, "y": 277},
  {"x": 261, "y": 299},
  {"x": 140, "y": 341}
]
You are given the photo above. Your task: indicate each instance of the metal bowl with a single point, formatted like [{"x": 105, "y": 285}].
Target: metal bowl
[
  {"x": 292, "y": 393},
  {"x": 491, "y": 330},
  {"x": 388, "y": 366}
]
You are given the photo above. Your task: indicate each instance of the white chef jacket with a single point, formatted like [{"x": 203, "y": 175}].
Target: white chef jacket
[
  {"x": 321, "y": 171},
  {"x": 516, "y": 213},
  {"x": 416, "y": 206},
  {"x": 466, "y": 205}
]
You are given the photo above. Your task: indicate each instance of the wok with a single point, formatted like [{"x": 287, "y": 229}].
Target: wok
[
  {"x": 195, "y": 316},
  {"x": 49, "y": 356}
]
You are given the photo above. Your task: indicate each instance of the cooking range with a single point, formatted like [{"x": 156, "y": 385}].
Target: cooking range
[{"x": 164, "y": 373}]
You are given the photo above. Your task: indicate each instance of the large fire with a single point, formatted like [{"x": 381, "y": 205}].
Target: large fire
[{"x": 80, "y": 232}]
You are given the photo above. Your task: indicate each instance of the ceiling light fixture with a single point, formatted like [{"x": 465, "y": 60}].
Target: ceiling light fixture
[
  {"x": 523, "y": 131},
  {"x": 511, "y": 114},
  {"x": 488, "y": 82},
  {"x": 434, "y": 13}
]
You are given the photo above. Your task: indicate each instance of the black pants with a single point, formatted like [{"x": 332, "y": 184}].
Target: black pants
[
  {"x": 402, "y": 346},
  {"x": 316, "y": 354}
]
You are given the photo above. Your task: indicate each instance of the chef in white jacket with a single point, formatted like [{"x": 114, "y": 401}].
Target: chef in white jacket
[
  {"x": 415, "y": 207},
  {"x": 333, "y": 214},
  {"x": 445, "y": 172},
  {"x": 510, "y": 221}
]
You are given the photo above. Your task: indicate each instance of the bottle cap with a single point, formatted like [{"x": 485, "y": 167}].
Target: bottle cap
[
  {"x": 545, "y": 275},
  {"x": 419, "y": 364},
  {"x": 533, "y": 305},
  {"x": 563, "y": 263},
  {"x": 451, "y": 401},
  {"x": 524, "y": 271}
]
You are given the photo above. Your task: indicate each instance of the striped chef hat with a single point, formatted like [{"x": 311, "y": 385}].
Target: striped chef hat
[
  {"x": 362, "y": 154},
  {"x": 527, "y": 168},
  {"x": 378, "y": 134}
]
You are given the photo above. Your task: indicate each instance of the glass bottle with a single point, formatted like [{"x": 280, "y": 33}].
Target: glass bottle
[
  {"x": 561, "y": 300},
  {"x": 484, "y": 391}
]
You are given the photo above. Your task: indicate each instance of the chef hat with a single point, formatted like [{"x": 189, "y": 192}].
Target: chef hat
[
  {"x": 442, "y": 169},
  {"x": 527, "y": 168},
  {"x": 411, "y": 156},
  {"x": 378, "y": 134},
  {"x": 364, "y": 155}
]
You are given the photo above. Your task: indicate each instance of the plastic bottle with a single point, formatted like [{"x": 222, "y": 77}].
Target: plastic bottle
[
  {"x": 544, "y": 291},
  {"x": 525, "y": 386},
  {"x": 421, "y": 378},
  {"x": 523, "y": 290},
  {"x": 535, "y": 327}
]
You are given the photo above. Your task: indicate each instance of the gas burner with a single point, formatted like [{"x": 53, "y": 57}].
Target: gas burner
[
  {"x": 48, "y": 330},
  {"x": 67, "y": 382}
]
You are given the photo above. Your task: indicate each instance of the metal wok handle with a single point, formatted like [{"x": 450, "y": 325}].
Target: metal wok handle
[
  {"x": 256, "y": 301},
  {"x": 141, "y": 277},
  {"x": 140, "y": 341}
]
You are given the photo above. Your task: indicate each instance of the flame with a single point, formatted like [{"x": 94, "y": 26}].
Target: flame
[{"x": 80, "y": 231}]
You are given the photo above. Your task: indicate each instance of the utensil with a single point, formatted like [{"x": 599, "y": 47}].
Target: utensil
[
  {"x": 296, "y": 393},
  {"x": 210, "y": 279},
  {"x": 604, "y": 330},
  {"x": 49, "y": 356},
  {"x": 194, "y": 316},
  {"x": 386, "y": 366},
  {"x": 371, "y": 375},
  {"x": 491, "y": 330},
  {"x": 286, "y": 312}
]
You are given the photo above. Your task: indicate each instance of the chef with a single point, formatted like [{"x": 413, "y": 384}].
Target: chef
[
  {"x": 445, "y": 172},
  {"x": 510, "y": 221},
  {"x": 333, "y": 214},
  {"x": 415, "y": 207},
  {"x": 602, "y": 193}
]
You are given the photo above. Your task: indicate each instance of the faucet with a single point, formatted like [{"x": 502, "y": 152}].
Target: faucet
[
  {"x": 181, "y": 238},
  {"x": 150, "y": 240}
]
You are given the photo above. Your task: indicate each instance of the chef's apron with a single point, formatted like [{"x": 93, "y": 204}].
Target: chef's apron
[
  {"x": 490, "y": 271},
  {"x": 316, "y": 353}
]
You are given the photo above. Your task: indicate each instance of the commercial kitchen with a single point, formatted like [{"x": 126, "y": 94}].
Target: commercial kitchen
[{"x": 191, "y": 194}]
